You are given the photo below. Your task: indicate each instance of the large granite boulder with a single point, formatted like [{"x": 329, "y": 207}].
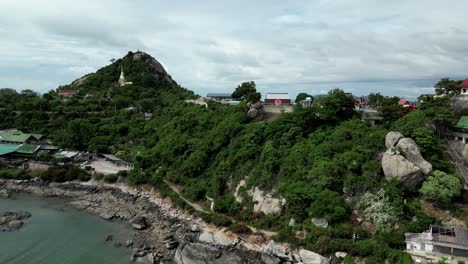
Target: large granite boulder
[
  {"x": 403, "y": 161},
  {"x": 412, "y": 153},
  {"x": 392, "y": 138},
  {"x": 309, "y": 257},
  {"x": 265, "y": 202},
  {"x": 195, "y": 253}
]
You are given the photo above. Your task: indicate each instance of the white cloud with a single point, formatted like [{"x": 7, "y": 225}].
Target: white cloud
[{"x": 303, "y": 45}]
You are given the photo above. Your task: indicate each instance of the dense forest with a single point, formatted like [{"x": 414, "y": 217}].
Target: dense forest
[{"x": 323, "y": 160}]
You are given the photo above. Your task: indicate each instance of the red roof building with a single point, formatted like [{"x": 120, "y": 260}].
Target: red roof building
[
  {"x": 464, "y": 87},
  {"x": 67, "y": 93},
  {"x": 406, "y": 104},
  {"x": 277, "y": 99}
]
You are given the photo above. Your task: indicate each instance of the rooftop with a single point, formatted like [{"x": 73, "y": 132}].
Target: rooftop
[
  {"x": 462, "y": 122},
  {"x": 27, "y": 149},
  {"x": 464, "y": 84},
  {"x": 7, "y": 148},
  {"x": 277, "y": 96},
  {"x": 18, "y": 136}
]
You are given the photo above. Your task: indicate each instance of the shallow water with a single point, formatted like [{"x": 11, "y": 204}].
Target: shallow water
[{"x": 57, "y": 233}]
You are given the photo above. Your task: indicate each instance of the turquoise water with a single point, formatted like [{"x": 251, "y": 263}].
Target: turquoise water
[{"x": 60, "y": 234}]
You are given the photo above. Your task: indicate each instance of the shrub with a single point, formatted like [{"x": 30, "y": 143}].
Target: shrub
[
  {"x": 240, "y": 229},
  {"x": 111, "y": 178},
  {"x": 65, "y": 173},
  {"x": 15, "y": 174},
  {"x": 441, "y": 187}
]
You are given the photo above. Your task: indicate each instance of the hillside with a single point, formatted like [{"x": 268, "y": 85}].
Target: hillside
[{"x": 318, "y": 164}]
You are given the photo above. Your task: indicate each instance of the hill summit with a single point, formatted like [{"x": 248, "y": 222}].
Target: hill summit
[{"x": 139, "y": 68}]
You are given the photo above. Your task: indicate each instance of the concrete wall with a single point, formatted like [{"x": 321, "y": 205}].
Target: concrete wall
[
  {"x": 419, "y": 246},
  {"x": 35, "y": 166},
  {"x": 278, "y": 109}
]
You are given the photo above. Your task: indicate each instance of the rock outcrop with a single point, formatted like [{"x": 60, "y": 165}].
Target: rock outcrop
[
  {"x": 392, "y": 138},
  {"x": 266, "y": 203},
  {"x": 160, "y": 229},
  {"x": 403, "y": 161},
  {"x": 255, "y": 111},
  {"x": 11, "y": 221},
  {"x": 309, "y": 257}
]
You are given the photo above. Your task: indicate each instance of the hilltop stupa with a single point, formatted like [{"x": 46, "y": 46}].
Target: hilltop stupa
[{"x": 122, "y": 81}]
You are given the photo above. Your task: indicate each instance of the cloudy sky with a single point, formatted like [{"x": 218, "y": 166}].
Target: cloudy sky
[{"x": 396, "y": 47}]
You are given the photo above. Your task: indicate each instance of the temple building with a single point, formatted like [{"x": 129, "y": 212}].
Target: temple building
[{"x": 122, "y": 81}]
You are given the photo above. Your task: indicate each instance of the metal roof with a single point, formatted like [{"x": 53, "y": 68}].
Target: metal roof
[
  {"x": 111, "y": 157},
  {"x": 27, "y": 149},
  {"x": 66, "y": 154},
  {"x": 7, "y": 148},
  {"x": 283, "y": 96},
  {"x": 17, "y": 136},
  {"x": 462, "y": 122}
]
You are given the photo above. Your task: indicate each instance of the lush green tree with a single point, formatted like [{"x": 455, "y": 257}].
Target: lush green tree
[
  {"x": 337, "y": 105},
  {"x": 376, "y": 99},
  {"x": 329, "y": 205},
  {"x": 302, "y": 96},
  {"x": 441, "y": 187},
  {"x": 391, "y": 110},
  {"x": 447, "y": 86},
  {"x": 247, "y": 91}
]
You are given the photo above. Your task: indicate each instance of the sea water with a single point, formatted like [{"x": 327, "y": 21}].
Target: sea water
[{"x": 59, "y": 234}]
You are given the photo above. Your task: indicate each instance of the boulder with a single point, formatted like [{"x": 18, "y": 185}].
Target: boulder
[
  {"x": 266, "y": 203},
  {"x": 340, "y": 255},
  {"x": 392, "y": 138},
  {"x": 404, "y": 170},
  {"x": 411, "y": 152},
  {"x": 277, "y": 251},
  {"x": 309, "y": 257},
  {"x": 139, "y": 222},
  {"x": 322, "y": 222},
  {"x": 252, "y": 113},
  {"x": 269, "y": 259},
  {"x": 15, "y": 224},
  {"x": 215, "y": 238},
  {"x": 4, "y": 194},
  {"x": 195, "y": 253},
  {"x": 194, "y": 228}
]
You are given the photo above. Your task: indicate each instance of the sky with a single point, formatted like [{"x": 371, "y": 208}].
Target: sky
[{"x": 396, "y": 47}]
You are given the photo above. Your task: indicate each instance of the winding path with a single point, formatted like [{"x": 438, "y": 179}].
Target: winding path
[{"x": 199, "y": 208}]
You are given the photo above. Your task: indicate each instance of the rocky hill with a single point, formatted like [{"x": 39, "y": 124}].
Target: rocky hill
[{"x": 139, "y": 68}]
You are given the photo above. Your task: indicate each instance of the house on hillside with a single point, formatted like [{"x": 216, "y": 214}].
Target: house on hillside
[
  {"x": 451, "y": 241},
  {"x": 307, "y": 102},
  {"x": 464, "y": 87},
  {"x": 18, "y": 137},
  {"x": 277, "y": 99},
  {"x": 407, "y": 104},
  {"x": 67, "y": 93}
]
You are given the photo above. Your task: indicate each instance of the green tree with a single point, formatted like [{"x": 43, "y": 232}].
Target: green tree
[
  {"x": 302, "y": 96},
  {"x": 441, "y": 187},
  {"x": 247, "y": 91},
  {"x": 376, "y": 99},
  {"x": 328, "y": 204},
  {"x": 447, "y": 86},
  {"x": 337, "y": 105}
]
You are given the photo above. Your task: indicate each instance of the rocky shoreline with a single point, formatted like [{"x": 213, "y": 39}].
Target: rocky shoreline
[{"x": 163, "y": 233}]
